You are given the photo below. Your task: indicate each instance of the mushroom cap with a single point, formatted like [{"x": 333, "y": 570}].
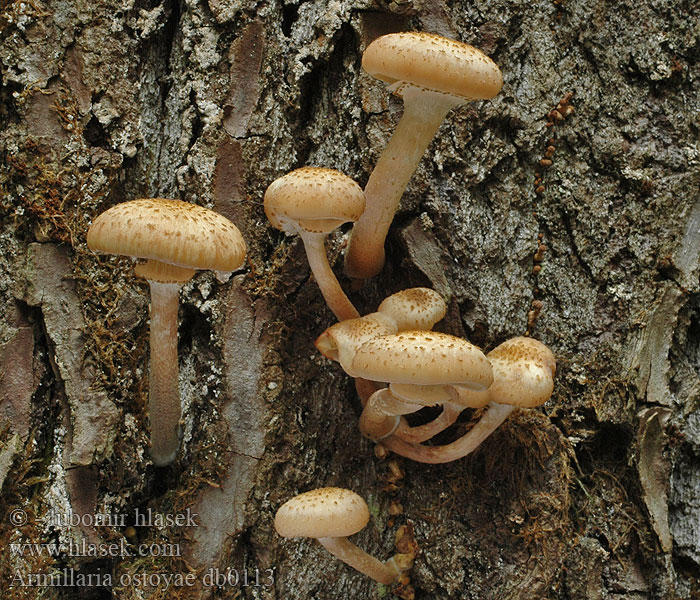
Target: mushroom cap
[
  {"x": 423, "y": 358},
  {"x": 523, "y": 372},
  {"x": 315, "y": 199},
  {"x": 433, "y": 62},
  {"x": 325, "y": 512},
  {"x": 414, "y": 308},
  {"x": 171, "y": 231},
  {"x": 340, "y": 341}
]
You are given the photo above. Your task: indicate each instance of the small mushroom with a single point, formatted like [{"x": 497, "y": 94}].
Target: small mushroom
[
  {"x": 175, "y": 237},
  {"x": 523, "y": 375},
  {"x": 432, "y": 74},
  {"x": 414, "y": 308},
  {"x": 331, "y": 515},
  {"x": 311, "y": 202},
  {"x": 423, "y": 367}
]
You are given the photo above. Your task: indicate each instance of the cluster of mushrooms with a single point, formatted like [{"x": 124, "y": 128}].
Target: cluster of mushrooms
[{"x": 399, "y": 364}]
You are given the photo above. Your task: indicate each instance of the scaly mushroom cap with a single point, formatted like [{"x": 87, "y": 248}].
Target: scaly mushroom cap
[
  {"x": 325, "y": 512},
  {"x": 171, "y": 231},
  {"x": 340, "y": 341},
  {"x": 433, "y": 62},
  {"x": 414, "y": 308},
  {"x": 317, "y": 200},
  {"x": 523, "y": 372},
  {"x": 423, "y": 358}
]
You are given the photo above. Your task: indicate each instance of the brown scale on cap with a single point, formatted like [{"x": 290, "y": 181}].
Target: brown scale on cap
[
  {"x": 423, "y": 358},
  {"x": 171, "y": 231},
  {"x": 433, "y": 62}
]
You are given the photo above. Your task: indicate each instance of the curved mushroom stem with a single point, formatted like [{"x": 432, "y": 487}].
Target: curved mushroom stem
[
  {"x": 422, "y": 433},
  {"x": 386, "y": 573},
  {"x": 164, "y": 394},
  {"x": 424, "y": 111},
  {"x": 325, "y": 278},
  {"x": 380, "y": 416},
  {"x": 489, "y": 422}
]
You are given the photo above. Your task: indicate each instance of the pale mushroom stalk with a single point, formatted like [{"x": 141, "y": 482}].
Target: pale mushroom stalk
[
  {"x": 343, "y": 549},
  {"x": 489, "y": 422},
  {"x": 413, "y": 435},
  {"x": 380, "y": 416},
  {"x": 421, "y": 433},
  {"x": 424, "y": 112},
  {"x": 327, "y": 282},
  {"x": 163, "y": 394}
]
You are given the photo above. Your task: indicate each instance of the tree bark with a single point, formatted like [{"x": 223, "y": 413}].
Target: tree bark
[{"x": 579, "y": 224}]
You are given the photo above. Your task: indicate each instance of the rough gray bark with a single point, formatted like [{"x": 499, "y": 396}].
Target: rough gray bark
[{"x": 596, "y": 496}]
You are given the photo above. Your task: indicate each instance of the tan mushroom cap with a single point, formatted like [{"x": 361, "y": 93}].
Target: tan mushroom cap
[
  {"x": 316, "y": 199},
  {"x": 523, "y": 372},
  {"x": 171, "y": 231},
  {"x": 340, "y": 341},
  {"x": 433, "y": 62},
  {"x": 423, "y": 358},
  {"x": 414, "y": 308},
  {"x": 325, "y": 512}
]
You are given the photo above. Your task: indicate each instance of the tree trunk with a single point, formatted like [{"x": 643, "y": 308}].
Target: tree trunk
[{"x": 581, "y": 226}]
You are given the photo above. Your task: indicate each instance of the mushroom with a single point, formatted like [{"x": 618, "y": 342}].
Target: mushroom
[
  {"x": 175, "y": 237},
  {"x": 311, "y": 202},
  {"x": 422, "y": 368},
  {"x": 331, "y": 515},
  {"x": 433, "y": 74},
  {"x": 414, "y": 308},
  {"x": 523, "y": 375}
]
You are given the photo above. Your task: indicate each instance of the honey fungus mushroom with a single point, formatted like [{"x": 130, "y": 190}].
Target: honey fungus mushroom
[
  {"x": 422, "y": 368},
  {"x": 175, "y": 238},
  {"x": 331, "y": 515},
  {"x": 433, "y": 75},
  {"x": 523, "y": 376},
  {"x": 311, "y": 202}
]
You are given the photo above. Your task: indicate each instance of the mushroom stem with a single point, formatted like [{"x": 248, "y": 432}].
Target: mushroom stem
[
  {"x": 325, "y": 278},
  {"x": 164, "y": 394},
  {"x": 489, "y": 422},
  {"x": 343, "y": 549},
  {"x": 422, "y": 433},
  {"x": 424, "y": 111},
  {"x": 379, "y": 418}
]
